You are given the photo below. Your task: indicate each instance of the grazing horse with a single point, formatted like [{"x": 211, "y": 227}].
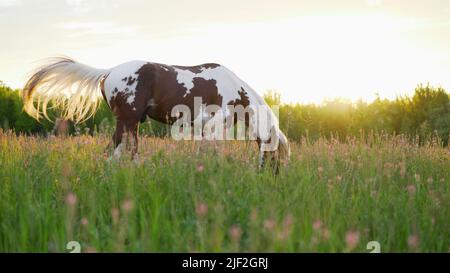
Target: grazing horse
[{"x": 136, "y": 90}]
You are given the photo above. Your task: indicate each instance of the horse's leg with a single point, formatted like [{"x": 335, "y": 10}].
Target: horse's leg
[
  {"x": 262, "y": 156},
  {"x": 130, "y": 129},
  {"x": 117, "y": 138},
  {"x": 134, "y": 147},
  {"x": 265, "y": 156}
]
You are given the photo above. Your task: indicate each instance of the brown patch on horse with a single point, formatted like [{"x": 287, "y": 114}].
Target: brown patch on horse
[
  {"x": 197, "y": 68},
  {"x": 161, "y": 86},
  {"x": 145, "y": 78},
  {"x": 207, "y": 89},
  {"x": 158, "y": 83},
  {"x": 130, "y": 80},
  {"x": 133, "y": 112},
  {"x": 210, "y": 65},
  {"x": 243, "y": 100}
]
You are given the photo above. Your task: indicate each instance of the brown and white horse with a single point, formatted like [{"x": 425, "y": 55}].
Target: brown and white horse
[{"x": 139, "y": 89}]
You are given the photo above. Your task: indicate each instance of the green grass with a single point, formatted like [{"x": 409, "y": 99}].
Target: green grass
[{"x": 333, "y": 197}]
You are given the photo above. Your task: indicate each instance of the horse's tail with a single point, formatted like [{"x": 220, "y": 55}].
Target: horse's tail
[
  {"x": 284, "y": 150},
  {"x": 64, "y": 84}
]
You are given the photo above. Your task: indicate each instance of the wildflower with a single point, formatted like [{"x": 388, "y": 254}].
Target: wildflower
[
  {"x": 127, "y": 205},
  {"x": 235, "y": 233},
  {"x": 115, "y": 215},
  {"x": 411, "y": 189},
  {"x": 84, "y": 221},
  {"x": 269, "y": 224},
  {"x": 201, "y": 209},
  {"x": 288, "y": 221},
  {"x": 282, "y": 235},
  {"x": 71, "y": 199},
  {"x": 413, "y": 241},
  {"x": 317, "y": 225},
  {"x": 200, "y": 168},
  {"x": 351, "y": 239},
  {"x": 320, "y": 169}
]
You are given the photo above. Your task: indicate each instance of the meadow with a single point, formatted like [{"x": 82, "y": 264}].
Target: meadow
[{"x": 335, "y": 196}]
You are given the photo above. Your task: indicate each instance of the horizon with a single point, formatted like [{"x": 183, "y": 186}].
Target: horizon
[{"x": 307, "y": 52}]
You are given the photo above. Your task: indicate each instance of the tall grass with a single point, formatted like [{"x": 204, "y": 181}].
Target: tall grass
[{"x": 193, "y": 196}]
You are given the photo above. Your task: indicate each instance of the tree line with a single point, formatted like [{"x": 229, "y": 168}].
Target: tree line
[
  {"x": 13, "y": 117},
  {"x": 423, "y": 115}
]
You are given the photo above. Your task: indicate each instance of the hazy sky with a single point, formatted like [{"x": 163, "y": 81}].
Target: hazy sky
[{"x": 306, "y": 50}]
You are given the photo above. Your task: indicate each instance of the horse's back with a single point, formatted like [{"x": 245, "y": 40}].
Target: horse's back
[
  {"x": 207, "y": 80},
  {"x": 228, "y": 85},
  {"x": 122, "y": 79}
]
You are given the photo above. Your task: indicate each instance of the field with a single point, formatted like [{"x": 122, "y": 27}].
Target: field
[{"x": 335, "y": 196}]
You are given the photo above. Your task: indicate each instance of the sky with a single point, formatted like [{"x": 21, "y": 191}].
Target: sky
[{"x": 308, "y": 51}]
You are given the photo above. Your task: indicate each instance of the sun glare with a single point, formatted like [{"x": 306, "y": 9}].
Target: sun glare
[
  {"x": 307, "y": 58},
  {"x": 312, "y": 58}
]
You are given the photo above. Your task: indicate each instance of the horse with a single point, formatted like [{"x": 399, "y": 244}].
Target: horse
[{"x": 139, "y": 89}]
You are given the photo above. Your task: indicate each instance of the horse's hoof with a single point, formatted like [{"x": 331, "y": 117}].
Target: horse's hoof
[{"x": 136, "y": 160}]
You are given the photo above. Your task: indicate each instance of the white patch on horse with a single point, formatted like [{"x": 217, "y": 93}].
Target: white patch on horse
[
  {"x": 228, "y": 84},
  {"x": 130, "y": 98},
  {"x": 116, "y": 79},
  {"x": 118, "y": 151},
  {"x": 261, "y": 158}
]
